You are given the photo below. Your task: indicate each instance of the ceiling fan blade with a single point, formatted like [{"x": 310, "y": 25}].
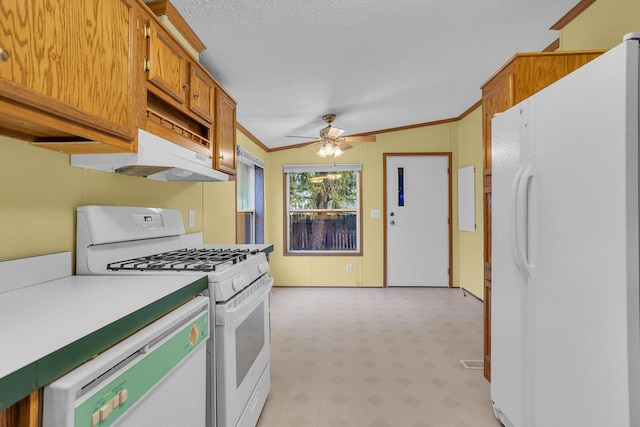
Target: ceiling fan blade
[
  {"x": 297, "y": 136},
  {"x": 343, "y": 146},
  {"x": 335, "y": 132},
  {"x": 364, "y": 138}
]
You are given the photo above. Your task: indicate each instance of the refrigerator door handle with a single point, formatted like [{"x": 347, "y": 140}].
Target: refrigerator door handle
[
  {"x": 515, "y": 188},
  {"x": 522, "y": 223}
]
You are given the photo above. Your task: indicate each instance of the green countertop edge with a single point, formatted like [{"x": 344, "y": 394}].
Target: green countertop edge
[
  {"x": 268, "y": 249},
  {"x": 22, "y": 382}
]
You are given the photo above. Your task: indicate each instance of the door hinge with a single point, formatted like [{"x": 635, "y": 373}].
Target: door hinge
[
  {"x": 147, "y": 65},
  {"x": 147, "y": 30}
]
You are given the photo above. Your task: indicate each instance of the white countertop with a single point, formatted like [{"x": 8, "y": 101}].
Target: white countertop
[
  {"x": 37, "y": 320},
  {"x": 52, "y": 322}
]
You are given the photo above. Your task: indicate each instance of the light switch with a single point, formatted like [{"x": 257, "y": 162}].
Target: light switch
[
  {"x": 375, "y": 213},
  {"x": 192, "y": 218}
]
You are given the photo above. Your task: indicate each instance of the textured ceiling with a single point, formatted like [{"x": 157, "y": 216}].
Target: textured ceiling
[{"x": 377, "y": 64}]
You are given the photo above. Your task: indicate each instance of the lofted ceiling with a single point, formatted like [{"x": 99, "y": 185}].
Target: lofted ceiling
[{"x": 376, "y": 64}]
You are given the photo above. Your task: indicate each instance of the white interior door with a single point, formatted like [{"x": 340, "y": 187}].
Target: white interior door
[{"x": 417, "y": 220}]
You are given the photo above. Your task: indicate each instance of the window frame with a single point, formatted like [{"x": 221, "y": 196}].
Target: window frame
[
  {"x": 244, "y": 157},
  {"x": 358, "y": 209}
]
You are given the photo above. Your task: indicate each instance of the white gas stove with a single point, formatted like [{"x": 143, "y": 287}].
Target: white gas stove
[
  {"x": 134, "y": 240},
  {"x": 125, "y": 240}
]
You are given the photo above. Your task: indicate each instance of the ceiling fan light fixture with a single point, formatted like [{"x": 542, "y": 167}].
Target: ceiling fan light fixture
[
  {"x": 329, "y": 149},
  {"x": 325, "y": 150}
]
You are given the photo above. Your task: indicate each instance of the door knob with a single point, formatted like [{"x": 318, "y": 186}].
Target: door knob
[
  {"x": 392, "y": 222},
  {"x": 4, "y": 55},
  {"x": 391, "y": 214}
]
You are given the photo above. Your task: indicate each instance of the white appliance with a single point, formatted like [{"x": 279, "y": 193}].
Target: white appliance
[
  {"x": 121, "y": 240},
  {"x": 565, "y": 291},
  {"x": 154, "y": 377}
]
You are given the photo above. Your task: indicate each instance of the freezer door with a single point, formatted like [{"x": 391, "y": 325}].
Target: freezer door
[{"x": 583, "y": 235}]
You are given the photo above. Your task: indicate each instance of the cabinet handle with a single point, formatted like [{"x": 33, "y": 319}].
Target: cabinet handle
[
  {"x": 221, "y": 157},
  {"x": 185, "y": 86},
  {"x": 196, "y": 95},
  {"x": 4, "y": 55}
]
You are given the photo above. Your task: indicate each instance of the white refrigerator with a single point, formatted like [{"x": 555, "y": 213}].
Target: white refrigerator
[{"x": 565, "y": 295}]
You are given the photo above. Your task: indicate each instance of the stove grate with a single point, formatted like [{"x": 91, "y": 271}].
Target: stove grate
[{"x": 184, "y": 260}]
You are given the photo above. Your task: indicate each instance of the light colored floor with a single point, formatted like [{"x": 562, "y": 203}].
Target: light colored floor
[{"x": 364, "y": 357}]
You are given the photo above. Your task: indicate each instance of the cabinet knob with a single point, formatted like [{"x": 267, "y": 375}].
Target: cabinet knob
[
  {"x": 185, "y": 86},
  {"x": 196, "y": 95},
  {"x": 4, "y": 55},
  {"x": 221, "y": 157}
]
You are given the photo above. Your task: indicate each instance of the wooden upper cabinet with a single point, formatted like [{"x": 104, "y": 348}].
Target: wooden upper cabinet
[
  {"x": 69, "y": 74},
  {"x": 201, "y": 93},
  {"x": 176, "y": 77},
  {"x": 180, "y": 92},
  {"x": 225, "y": 125},
  {"x": 166, "y": 63}
]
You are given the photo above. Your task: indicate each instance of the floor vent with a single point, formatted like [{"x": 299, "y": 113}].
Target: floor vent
[{"x": 473, "y": 364}]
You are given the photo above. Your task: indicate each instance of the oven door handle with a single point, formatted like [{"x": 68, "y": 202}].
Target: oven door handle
[{"x": 226, "y": 312}]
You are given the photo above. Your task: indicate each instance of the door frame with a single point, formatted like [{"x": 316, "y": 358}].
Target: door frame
[{"x": 384, "y": 208}]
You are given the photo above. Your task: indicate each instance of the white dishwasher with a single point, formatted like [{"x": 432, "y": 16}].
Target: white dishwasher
[{"x": 155, "y": 377}]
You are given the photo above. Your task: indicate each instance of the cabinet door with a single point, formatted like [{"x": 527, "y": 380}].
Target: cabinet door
[
  {"x": 166, "y": 63},
  {"x": 201, "y": 93},
  {"x": 70, "y": 58},
  {"x": 225, "y": 133}
]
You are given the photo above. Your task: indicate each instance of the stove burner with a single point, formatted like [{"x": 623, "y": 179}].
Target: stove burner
[{"x": 184, "y": 260}]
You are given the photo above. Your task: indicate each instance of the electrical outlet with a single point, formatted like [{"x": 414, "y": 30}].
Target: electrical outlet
[
  {"x": 349, "y": 268},
  {"x": 192, "y": 218}
]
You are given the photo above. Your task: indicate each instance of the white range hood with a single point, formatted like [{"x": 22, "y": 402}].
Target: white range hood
[{"x": 156, "y": 159}]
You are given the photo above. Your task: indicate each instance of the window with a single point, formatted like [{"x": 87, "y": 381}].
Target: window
[
  {"x": 249, "y": 197},
  {"x": 323, "y": 209}
]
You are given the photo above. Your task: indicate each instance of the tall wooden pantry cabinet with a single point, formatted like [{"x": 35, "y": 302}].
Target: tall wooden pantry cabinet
[{"x": 522, "y": 76}]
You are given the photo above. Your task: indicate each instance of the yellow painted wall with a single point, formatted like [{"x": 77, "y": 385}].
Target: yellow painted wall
[
  {"x": 601, "y": 25},
  {"x": 220, "y": 212},
  {"x": 368, "y": 269},
  {"x": 472, "y": 243},
  {"x": 39, "y": 193}
]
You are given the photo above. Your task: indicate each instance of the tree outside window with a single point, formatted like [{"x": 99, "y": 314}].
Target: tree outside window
[{"x": 323, "y": 209}]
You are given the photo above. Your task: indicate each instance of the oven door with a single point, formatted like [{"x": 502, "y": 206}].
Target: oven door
[{"x": 242, "y": 355}]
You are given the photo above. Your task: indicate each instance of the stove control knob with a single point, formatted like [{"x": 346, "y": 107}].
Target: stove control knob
[{"x": 237, "y": 283}]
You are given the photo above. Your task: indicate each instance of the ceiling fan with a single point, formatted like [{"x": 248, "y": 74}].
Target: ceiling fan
[{"x": 333, "y": 143}]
